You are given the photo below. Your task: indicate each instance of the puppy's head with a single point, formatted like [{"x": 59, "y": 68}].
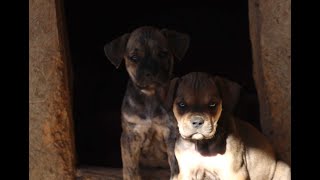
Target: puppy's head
[
  {"x": 148, "y": 54},
  {"x": 199, "y": 101}
]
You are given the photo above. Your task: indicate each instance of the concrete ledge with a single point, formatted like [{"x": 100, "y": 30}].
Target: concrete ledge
[{"x": 101, "y": 173}]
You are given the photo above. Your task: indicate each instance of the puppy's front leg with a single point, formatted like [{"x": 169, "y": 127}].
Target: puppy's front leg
[
  {"x": 282, "y": 171},
  {"x": 130, "y": 152},
  {"x": 174, "y": 167}
]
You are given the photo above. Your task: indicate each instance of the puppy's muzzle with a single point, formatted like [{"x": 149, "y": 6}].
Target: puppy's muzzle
[{"x": 197, "y": 121}]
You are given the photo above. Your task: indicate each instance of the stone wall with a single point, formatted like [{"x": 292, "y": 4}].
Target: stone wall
[
  {"x": 270, "y": 31},
  {"x": 51, "y": 148}
]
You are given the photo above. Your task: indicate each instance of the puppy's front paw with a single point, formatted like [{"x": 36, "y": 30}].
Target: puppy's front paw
[{"x": 131, "y": 178}]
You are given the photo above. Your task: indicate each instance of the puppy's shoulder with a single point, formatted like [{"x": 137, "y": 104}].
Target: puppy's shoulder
[{"x": 252, "y": 137}]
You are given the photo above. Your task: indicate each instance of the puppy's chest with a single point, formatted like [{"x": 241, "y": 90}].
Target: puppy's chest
[
  {"x": 145, "y": 115},
  {"x": 144, "y": 108},
  {"x": 151, "y": 124},
  {"x": 192, "y": 162},
  {"x": 217, "y": 162}
]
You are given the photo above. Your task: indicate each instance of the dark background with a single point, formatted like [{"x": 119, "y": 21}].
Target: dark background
[{"x": 220, "y": 44}]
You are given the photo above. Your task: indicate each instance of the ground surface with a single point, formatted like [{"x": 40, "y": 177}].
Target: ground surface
[{"x": 101, "y": 173}]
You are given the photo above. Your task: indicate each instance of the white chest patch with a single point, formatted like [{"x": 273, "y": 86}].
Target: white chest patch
[{"x": 191, "y": 162}]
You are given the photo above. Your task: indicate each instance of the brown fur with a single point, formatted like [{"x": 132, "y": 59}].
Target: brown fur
[
  {"x": 148, "y": 132},
  {"x": 213, "y": 144}
]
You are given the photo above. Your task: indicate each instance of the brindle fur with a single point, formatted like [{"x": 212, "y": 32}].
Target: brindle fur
[
  {"x": 148, "y": 132},
  {"x": 228, "y": 147}
]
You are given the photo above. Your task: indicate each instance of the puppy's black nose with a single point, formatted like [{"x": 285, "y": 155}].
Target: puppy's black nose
[{"x": 197, "y": 122}]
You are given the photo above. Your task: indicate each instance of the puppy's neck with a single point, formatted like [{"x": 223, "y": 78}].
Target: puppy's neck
[
  {"x": 213, "y": 146},
  {"x": 135, "y": 91}
]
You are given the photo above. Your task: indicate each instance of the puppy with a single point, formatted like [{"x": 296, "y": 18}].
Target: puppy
[
  {"x": 212, "y": 143},
  {"x": 148, "y": 134}
]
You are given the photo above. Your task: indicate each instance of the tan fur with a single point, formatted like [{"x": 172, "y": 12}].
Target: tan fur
[{"x": 246, "y": 153}]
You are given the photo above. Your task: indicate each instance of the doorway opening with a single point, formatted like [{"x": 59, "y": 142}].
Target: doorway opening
[{"x": 220, "y": 44}]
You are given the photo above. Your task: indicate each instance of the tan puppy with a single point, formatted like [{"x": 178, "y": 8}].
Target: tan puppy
[{"x": 213, "y": 144}]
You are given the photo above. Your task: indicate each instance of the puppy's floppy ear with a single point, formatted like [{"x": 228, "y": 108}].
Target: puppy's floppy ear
[
  {"x": 229, "y": 92},
  {"x": 171, "y": 92},
  {"x": 115, "y": 49},
  {"x": 178, "y": 42}
]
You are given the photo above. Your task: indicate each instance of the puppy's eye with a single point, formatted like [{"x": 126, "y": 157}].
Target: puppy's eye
[
  {"x": 163, "y": 54},
  {"x": 181, "y": 105},
  {"x": 134, "y": 58},
  {"x": 212, "y": 105}
]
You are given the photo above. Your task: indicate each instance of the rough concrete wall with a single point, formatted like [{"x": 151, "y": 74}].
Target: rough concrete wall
[
  {"x": 270, "y": 31},
  {"x": 51, "y": 148}
]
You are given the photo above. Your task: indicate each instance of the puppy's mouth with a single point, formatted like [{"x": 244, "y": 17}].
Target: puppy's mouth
[
  {"x": 150, "y": 85},
  {"x": 198, "y": 136},
  {"x": 206, "y": 132},
  {"x": 195, "y": 136},
  {"x": 147, "y": 87},
  {"x": 143, "y": 86}
]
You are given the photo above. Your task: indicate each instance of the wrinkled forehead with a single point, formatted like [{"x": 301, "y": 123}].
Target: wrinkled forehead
[
  {"x": 197, "y": 89},
  {"x": 146, "y": 38}
]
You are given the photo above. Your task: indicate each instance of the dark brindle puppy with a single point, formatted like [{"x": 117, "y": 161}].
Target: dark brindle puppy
[
  {"x": 148, "y": 134},
  {"x": 212, "y": 143}
]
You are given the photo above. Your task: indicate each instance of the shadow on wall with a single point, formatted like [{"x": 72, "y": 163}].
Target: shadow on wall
[{"x": 219, "y": 44}]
